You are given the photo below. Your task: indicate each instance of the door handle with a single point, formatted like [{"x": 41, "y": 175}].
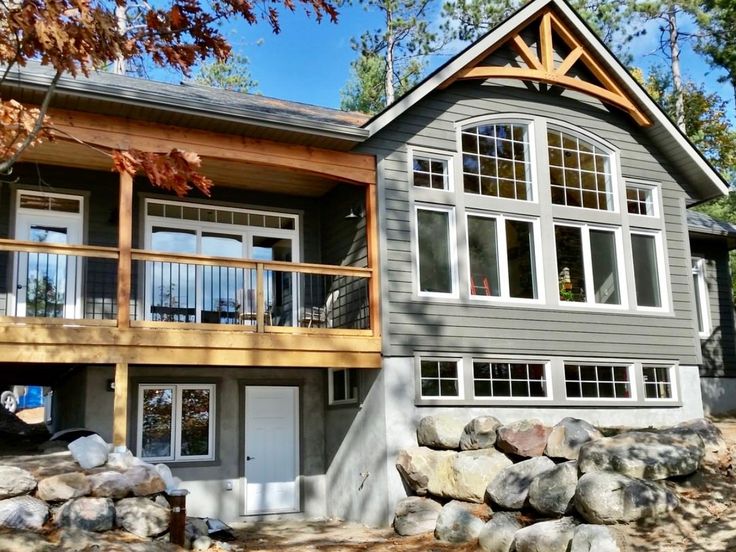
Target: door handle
[{"x": 249, "y": 458}]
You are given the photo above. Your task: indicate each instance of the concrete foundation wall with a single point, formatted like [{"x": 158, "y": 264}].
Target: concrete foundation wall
[
  {"x": 719, "y": 395},
  {"x": 402, "y": 415},
  {"x": 356, "y": 455},
  {"x": 207, "y": 481}
]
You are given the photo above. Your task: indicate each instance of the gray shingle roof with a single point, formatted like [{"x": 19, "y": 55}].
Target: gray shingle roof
[{"x": 703, "y": 224}]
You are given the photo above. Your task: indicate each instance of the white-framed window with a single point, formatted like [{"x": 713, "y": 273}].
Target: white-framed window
[
  {"x": 700, "y": 287},
  {"x": 343, "y": 386},
  {"x": 436, "y": 258},
  {"x": 641, "y": 199},
  {"x": 492, "y": 379},
  {"x": 440, "y": 378},
  {"x": 658, "y": 383},
  {"x": 649, "y": 277},
  {"x": 598, "y": 381},
  {"x": 589, "y": 264},
  {"x": 431, "y": 170},
  {"x": 502, "y": 254},
  {"x": 579, "y": 171},
  {"x": 497, "y": 160},
  {"x": 176, "y": 422}
]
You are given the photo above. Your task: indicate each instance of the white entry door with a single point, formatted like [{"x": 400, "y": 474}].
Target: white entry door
[{"x": 271, "y": 449}]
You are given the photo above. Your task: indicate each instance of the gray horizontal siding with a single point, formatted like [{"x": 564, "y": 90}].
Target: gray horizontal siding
[
  {"x": 414, "y": 324},
  {"x": 719, "y": 349}
]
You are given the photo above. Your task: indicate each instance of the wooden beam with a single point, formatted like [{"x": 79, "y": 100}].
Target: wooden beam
[
  {"x": 526, "y": 54},
  {"x": 120, "y": 407},
  {"x": 260, "y": 299},
  {"x": 569, "y": 61},
  {"x": 125, "y": 244},
  {"x": 545, "y": 42},
  {"x": 559, "y": 80},
  {"x": 371, "y": 232},
  {"x": 118, "y": 133},
  {"x": 96, "y": 251}
]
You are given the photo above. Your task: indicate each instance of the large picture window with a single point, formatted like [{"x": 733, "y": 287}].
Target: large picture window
[
  {"x": 646, "y": 270},
  {"x": 176, "y": 422},
  {"x": 436, "y": 272},
  {"x": 700, "y": 286},
  {"x": 587, "y": 265},
  {"x": 502, "y": 257}
]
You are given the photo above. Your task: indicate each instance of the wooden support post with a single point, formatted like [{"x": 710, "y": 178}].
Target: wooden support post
[
  {"x": 120, "y": 407},
  {"x": 260, "y": 299},
  {"x": 125, "y": 243},
  {"x": 371, "y": 232}
]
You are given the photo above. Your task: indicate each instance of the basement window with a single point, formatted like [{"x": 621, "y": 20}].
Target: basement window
[{"x": 343, "y": 386}]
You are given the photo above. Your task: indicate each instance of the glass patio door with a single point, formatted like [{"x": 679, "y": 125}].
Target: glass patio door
[{"x": 47, "y": 285}]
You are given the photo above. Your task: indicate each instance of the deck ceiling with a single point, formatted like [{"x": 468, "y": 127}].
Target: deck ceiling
[{"x": 222, "y": 172}]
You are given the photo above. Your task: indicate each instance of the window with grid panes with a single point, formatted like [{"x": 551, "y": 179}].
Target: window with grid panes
[
  {"x": 439, "y": 378},
  {"x": 592, "y": 381},
  {"x": 504, "y": 379},
  {"x": 657, "y": 382},
  {"x": 640, "y": 200},
  {"x": 496, "y": 160},
  {"x": 430, "y": 172}
]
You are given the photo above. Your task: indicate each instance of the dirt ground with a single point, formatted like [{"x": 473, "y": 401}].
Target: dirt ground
[{"x": 31, "y": 415}]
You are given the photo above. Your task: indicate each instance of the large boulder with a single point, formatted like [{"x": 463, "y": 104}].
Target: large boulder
[
  {"x": 479, "y": 433},
  {"x": 497, "y": 535},
  {"x": 142, "y": 516},
  {"x": 551, "y": 493},
  {"x": 89, "y": 452},
  {"x": 65, "y": 486},
  {"x": 87, "y": 514},
  {"x": 643, "y": 455},
  {"x": 441, "y": 431},
  {"x": 416, "y": 515},
  {"x": 461, "y": 522},
  {"x": 596, "y": 538},
  {"x": 606, "y": 498},
  {"x": 123, "y": 460},
  {"x": 462, "y": 476},
  {"x": 525, "y": 438},
  {"x": 546, "y": 536},
  {"x": 568, "y": 436},
  {"x": 15, "y": 481},
  {"x": 23, "y": 512},
  {"x": 111, "y": 484},
  {"x": 717, "y": 454},
  {"x": 425, "y": 470},
  {"x": 145, "y": 481},
  {"x": 510, "y": 488}
]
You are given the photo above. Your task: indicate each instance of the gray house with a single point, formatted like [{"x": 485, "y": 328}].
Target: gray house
[{"x": 510, "y": 237}]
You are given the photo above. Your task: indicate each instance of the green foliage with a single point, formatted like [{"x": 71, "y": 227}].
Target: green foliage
[
  {"x": 231, "y": 74},
  {"x": 717, "y": 41}
]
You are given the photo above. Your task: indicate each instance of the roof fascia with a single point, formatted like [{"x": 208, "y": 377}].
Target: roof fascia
[{"x": 169, "y": 104}]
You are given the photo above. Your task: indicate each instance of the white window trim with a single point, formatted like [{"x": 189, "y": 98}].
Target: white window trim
[
  {"x": 588, "y": 267},
  {"x": 448, "y": 157},
  {"x": 664, "y": 293},
  {"x": 654, "y": 188},
  {"x": 674, "y": 384},
  {"x": 350, "y": 393},
  {"x": 547, "y": 379},
  {"x": 459, "y": 367},
  {"x": 699, "y": 270},
  {"x": 49, "y": 212},
  {"x": 177, "y": 389},
  {"x": 452, "y": 240},
  {"x": 514, "y": 119},
  {"x": 631, "y": 380},
  {"x": 502, "y": 255}
]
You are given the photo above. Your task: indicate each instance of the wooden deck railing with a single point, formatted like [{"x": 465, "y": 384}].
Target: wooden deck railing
[{"x": 75, "y": 284}]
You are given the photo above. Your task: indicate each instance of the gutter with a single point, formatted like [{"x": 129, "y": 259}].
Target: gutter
[{"x": 98, "y": 91}]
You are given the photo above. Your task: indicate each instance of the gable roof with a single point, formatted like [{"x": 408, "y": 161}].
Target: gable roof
[{"x": 704, "y": 180}]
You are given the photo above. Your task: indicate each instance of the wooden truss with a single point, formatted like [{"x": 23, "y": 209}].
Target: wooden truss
[{"x": 541, "y": 68}]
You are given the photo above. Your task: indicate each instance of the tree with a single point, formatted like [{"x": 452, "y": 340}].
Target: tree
[
  {"x": 77, "y": 37},
  {"x": 232, "y": 74},
  {"x": 395, "y": 52},
  {"x": 718, "y": 39}
]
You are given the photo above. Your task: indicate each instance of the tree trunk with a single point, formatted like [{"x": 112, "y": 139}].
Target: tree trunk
[
  {"x": 390, "y": 47},
  {"x": 674, "y": 45},
  {"x": 120, "y": 14}
]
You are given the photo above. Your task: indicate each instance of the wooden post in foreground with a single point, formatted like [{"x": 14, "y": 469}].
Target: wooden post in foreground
[
  {"x": 371, "y": 234},
  {"x": 125, "y": 243},
  {"x": 120, "y": 407}
]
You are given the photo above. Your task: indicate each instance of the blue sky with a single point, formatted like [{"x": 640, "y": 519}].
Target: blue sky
[{"x": 310, "y": 62}]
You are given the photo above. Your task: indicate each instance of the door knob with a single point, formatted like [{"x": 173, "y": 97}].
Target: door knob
[{"x": 249, "y": 458}]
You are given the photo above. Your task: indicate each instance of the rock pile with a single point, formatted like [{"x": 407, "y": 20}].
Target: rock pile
[
  {"x": 109, "y": 490},
  {"x": 463, "y": 471}
]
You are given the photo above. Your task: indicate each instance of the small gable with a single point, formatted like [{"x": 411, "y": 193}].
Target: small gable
[{"x": 546, "y": 50}]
